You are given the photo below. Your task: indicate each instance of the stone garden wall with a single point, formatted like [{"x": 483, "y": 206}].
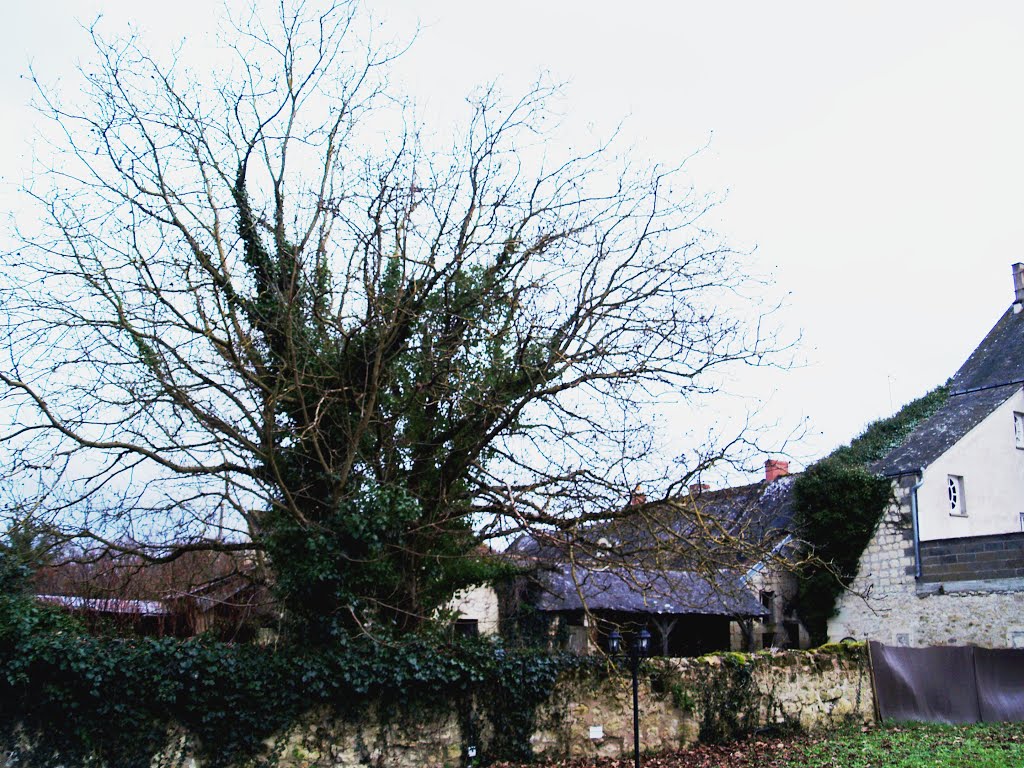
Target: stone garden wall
[
  {"x": 590, "y": 714},
  {"x": 715, "y": 697}
]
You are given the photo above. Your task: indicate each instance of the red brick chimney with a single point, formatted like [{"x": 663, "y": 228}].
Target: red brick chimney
[
  {"x": 774, "y": 469},
  {"x": 637, "y": 496},
  {"x": 696, "y": 489}
]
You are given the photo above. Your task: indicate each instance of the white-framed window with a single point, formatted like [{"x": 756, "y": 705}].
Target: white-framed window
[
  {"x": 955, "y": 492},
  {"x": 1022, "y": 521},
  {"x": 1018, "y": 429}
]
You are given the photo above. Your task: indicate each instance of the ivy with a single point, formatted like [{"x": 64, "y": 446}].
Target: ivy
[
  {"x": 523, "y": 682},
  {"x": 839, "y": 502},
  {"x": 68, "y": 698}
]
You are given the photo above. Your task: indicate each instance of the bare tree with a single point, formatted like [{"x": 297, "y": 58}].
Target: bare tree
[{"x": 256, "y": 312}]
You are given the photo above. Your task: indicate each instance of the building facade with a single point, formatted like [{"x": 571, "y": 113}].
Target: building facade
[{"x": 946, "y": 563}]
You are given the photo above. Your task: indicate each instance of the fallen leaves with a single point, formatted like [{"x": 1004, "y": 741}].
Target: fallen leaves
[
  {"x": 918, "y": 746},
  {"x": 745, "y": 754}
]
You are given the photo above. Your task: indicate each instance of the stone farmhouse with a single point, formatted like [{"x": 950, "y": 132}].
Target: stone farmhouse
[
  {"x": 700, "y": 572},
  {"x": 945, "y": 565}
]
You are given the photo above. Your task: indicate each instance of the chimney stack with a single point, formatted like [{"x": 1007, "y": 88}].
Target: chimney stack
[
  {"x": 637, "y": 497},
  {"x": 696, "y": 489},
  {"x": 1018, "y": 285},
  {"x": 774, "y": 469}
]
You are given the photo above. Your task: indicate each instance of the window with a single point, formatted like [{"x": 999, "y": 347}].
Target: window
[
  {"x": 767, "y": 599},
  {"x": 1022, "y": 521},
  {"x": 956, "y": 496},
  {"x": 467, "y": 627},
  {"x": 1018, "y": 429}
]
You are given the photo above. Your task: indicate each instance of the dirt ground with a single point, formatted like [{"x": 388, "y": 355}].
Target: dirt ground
[{"x": 768, "y": 753}]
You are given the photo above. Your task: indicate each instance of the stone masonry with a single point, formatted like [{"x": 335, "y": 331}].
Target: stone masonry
[
  {"x": 975, "y": 557},
  {"x": 887, "y": 603},
  {"x": 807, "y": 689},
  {"x": 590, "y": 714}
]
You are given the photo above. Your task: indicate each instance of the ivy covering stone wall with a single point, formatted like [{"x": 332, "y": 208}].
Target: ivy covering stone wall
[
  {"x": 710, "y": 699},
  {"x": 839, "y": 503},
  {"x": 588, "y": 713}
]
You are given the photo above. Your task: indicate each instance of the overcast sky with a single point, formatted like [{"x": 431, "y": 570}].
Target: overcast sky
[{"x": 871, "y": 155}]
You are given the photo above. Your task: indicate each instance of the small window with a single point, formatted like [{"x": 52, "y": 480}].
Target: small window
[
  {"x": 1022, "y": 521},
  {"x": 956, "y": 496},
  {"x": 467, "y": 627},
  {"x": 767, "y": 598},
  {"x": 1018, "y": 429}
]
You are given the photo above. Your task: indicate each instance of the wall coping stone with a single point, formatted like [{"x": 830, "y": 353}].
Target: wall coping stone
[{"x": 979, "y": 586}]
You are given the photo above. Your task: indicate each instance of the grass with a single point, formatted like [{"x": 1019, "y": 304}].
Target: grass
[
  {"x": 917, "y": 746},
  {"x": 892, "y": 746}
]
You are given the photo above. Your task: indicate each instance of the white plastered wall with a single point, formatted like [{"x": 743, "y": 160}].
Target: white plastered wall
[
  {"x": 480, "y": 603},
  {"x": 992, "y": 468}
]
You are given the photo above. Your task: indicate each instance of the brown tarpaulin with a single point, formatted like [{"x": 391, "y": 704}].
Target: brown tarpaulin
[
  {"x": 954, "y": 684},
  {"x": 1000, "y": 684}
]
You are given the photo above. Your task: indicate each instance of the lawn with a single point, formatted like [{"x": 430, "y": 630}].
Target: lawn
[{"x": 906, "y": 746}]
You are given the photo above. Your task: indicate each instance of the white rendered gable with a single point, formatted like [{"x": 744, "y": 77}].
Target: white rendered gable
[{"x": 987, "y": 470}]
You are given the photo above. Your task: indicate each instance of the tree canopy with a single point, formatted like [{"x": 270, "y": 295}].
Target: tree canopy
[{"x": 258, "y": 310}]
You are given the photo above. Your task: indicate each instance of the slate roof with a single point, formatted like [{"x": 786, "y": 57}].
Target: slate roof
[
  {"x": 998, "y": 360},
  {"x": 752, "y": 513},
  {"x": 990, "y": 376},
  {"x": 625, "y": 565},
  {"x": 727, "y": 527},
  {"x": 565, "y": 588},
  {"x": 940, "y": 431},
  {"x": 755, "y": 511}
]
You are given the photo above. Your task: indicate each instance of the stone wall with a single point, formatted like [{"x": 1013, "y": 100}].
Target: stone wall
[
  {"x": 682, "y": 698},
  {"x": 436, "y": 741},
  {"x": 887, "y": 603},
  {"x": 590, "y": 713},
  {"x": 323, "y": 741},
  {"x": 782, "y": 627}
]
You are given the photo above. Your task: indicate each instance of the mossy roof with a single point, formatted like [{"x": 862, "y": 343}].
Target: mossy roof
[{"x": 992, "y": 374}]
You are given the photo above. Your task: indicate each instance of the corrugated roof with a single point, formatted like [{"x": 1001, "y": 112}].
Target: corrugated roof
[{"x": 107, "y": 605}]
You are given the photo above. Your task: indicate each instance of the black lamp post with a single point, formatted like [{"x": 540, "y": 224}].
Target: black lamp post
[{"x": 637, "y": 650}]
